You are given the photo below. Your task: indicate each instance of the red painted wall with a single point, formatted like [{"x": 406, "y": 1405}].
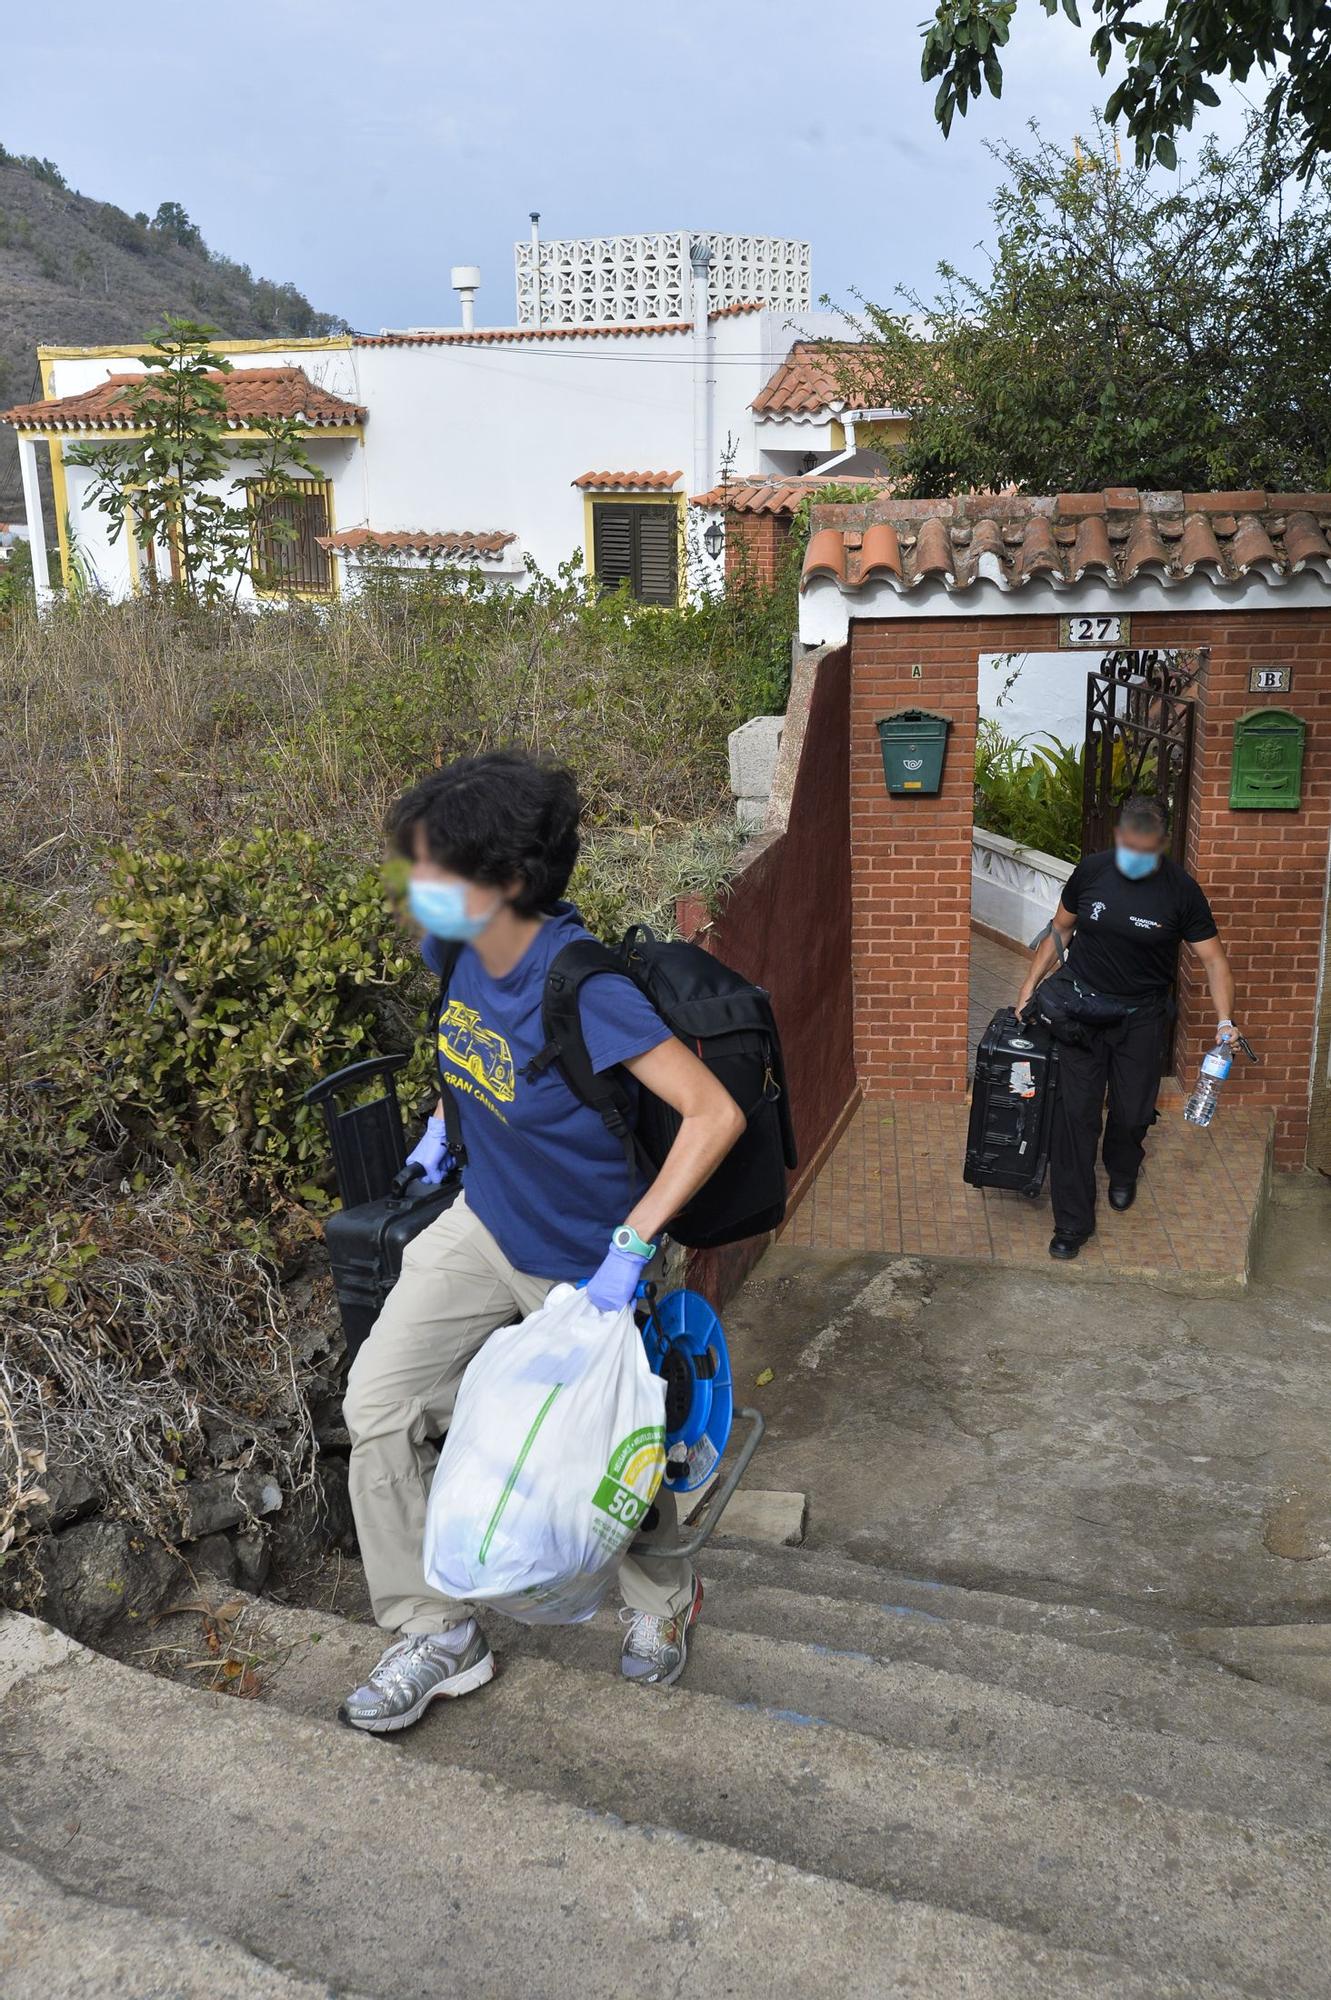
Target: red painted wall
[{"x": 785, "y": 923}]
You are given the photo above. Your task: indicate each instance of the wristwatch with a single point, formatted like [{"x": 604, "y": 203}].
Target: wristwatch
[{"x": 629, "y": 1241}]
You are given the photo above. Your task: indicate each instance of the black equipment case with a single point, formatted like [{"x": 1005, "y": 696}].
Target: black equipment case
[
  {"x": 384, "y": 1202},
  {"x": 1012, "y": 1102}
]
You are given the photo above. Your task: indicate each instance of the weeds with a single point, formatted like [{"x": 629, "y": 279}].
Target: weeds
[{"x": 194, "y": 924}]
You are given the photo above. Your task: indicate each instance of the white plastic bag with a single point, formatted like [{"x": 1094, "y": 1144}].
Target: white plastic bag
[{"x": 553, "y": 1457}]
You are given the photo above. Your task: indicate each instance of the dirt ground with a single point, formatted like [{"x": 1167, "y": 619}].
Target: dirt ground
[{"x": 1116, "y": 1443}]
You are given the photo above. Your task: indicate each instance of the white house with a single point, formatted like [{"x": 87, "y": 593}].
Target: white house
[{"x": 627, "y": 386}]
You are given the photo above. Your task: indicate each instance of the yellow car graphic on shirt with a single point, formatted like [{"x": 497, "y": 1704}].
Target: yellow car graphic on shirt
[{"x": 479, "y": 1051}]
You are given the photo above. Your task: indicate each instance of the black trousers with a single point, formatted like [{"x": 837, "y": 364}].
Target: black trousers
[{"x": 1125, "y": 1060}]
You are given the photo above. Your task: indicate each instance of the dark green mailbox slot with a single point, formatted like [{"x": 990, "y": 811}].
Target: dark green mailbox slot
[
  {"x": 913, "y": 743},
  {"x": 1267, "y": 771}
]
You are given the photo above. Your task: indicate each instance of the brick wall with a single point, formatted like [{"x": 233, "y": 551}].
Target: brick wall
[
  {"x": 755, "y": 546},
  {"x": 911, "y": 858},
  {"x": 1265, "y": 872},
  {"x": 785, "y": 923}
]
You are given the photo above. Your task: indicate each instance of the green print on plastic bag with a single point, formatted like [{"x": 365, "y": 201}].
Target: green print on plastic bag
[
  {"x": 518, "y": 1464},
  {"x": 642, "y": 1452}
]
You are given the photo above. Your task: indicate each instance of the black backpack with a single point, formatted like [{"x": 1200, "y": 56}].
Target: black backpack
[{"x": 728, "y": 1023}]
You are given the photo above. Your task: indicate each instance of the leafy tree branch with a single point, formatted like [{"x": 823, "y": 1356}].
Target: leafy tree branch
[
  {"x": 1170, "y": 61},
  {"x": 172, "y": 482},
  {"x": 1126, "y": 331}
]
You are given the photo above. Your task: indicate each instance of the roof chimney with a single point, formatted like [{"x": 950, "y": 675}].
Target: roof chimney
[{"x": 466, "y": 282}]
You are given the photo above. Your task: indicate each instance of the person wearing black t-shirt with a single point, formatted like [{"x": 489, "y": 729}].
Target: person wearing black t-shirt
[{"x": 1121, "y": 918}]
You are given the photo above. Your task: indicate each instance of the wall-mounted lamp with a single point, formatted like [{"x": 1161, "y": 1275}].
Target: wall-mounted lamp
[{"x": 714, "y": 540}]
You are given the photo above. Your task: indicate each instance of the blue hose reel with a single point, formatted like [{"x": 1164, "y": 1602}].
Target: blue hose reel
[{"x": 686, "y": 1347}]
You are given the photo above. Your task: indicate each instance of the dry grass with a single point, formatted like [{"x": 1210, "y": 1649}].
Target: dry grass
[{"x": 145, "y": 726}]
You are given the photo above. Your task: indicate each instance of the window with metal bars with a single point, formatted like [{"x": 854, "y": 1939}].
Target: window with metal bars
[
  {"x": 637, "y": 545},
  {"x": 285, "y": 523}
]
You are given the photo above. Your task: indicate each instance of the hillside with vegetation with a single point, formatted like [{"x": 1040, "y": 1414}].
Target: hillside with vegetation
[{"x": 75, "y": 271}]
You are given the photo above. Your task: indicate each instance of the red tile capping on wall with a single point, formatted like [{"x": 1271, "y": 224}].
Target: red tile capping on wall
[{"x": 785, "y": 923}]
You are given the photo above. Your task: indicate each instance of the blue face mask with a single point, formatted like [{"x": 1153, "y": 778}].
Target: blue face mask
[
  {"x": 441, "y": 909},
  {"x": 1130, "y": 861}
]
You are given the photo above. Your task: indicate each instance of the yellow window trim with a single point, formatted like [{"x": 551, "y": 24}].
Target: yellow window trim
[
  {"x": 311, "y": 434},
  {"x": 332, "y": 343},
  {"x": 612, "y": 496}
]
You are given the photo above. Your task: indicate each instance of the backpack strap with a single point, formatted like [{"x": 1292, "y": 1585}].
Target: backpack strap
[
  {"x": 452, "y": 1118},
  {"x": 565, "y": 1044}
]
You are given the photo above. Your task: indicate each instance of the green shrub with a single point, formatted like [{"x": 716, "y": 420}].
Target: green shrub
[
  {"x": 236, "y": 978},
  {"x": 194, "y": 925},
  {"x": 16, "y": 579},
  {"x": 1033, "y": 795}
]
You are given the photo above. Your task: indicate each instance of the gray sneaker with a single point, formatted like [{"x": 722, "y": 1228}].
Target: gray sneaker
[
  {"x": 655, "y": 1649},
  {"x": 416, "y": 1668}
]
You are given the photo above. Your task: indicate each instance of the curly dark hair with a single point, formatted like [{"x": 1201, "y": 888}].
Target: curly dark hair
[{"x": 496, "y": 819}]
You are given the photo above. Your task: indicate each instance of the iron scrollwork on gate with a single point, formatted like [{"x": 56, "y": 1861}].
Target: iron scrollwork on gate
[{"x": 1139, "y": 717}]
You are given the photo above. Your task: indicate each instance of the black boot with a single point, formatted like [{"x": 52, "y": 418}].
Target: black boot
[{"x": 1122, "y": 1194}]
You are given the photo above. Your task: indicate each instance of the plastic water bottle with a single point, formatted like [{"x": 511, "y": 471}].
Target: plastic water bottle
[{"x": 1200, "y": 1108}]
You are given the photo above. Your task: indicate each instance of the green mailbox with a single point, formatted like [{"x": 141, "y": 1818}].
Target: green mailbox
[
  {"x": 913, "y": 742},
  {"x": 1267, "y": 771}
]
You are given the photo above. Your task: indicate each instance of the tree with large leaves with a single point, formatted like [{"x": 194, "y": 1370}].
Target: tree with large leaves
[
  {"x": 1127, "y": 331},
  {"x": 171, "y": 480},
  {"x": 1169, "y": 62}
]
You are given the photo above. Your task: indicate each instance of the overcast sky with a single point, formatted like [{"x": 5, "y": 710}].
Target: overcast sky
[{"x": 361, "y": 147}]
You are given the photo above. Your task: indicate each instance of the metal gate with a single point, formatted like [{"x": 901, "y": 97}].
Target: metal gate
[{"x": 1139, "y": 715}]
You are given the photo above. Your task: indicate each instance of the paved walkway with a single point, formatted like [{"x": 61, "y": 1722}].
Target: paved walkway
[
  {"x": 997, "y": 970},
  {"x": 894, "y": 1184}
]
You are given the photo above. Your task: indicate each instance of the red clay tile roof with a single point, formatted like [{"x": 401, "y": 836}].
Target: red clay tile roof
[
  {"x": 778, "y": 495},
  {"x": 628, "y": 482},
  {"x": 462, "y": 543},
  {"x": 813, "y": 380},
  {"x": 1113, "y": 537},
  {"x": 251, "y": 393},
  {"x": 488, "y": 336},
  {"x": 481, "y": 336}
]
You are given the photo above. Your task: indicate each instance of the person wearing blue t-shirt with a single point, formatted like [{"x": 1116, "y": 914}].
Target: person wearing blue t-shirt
[{"x": 547, "y": 1195}]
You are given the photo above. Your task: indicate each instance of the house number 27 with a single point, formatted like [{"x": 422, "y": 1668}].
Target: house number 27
[{"x": 1103, "y": 628}]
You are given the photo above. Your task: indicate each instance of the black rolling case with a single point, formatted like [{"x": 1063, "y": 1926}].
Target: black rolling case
[
  {"x": 1012, "y": 1102},
  {"x": 384, "y": 1203}
]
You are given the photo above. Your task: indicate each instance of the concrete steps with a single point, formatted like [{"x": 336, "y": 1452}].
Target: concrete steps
[
  {"x": 830, "y": 1575},
  {"x": 1181, "y": 1879},
  {"x": 1170, "y": 1688},
  {"x": 62, "y": 1946},
  {"x": 334, "y": 1859}
]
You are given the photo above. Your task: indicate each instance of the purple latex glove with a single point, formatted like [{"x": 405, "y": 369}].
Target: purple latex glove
[
  {"x": 430, "y": 1153},
  {"x": 615, "y": 1285}
]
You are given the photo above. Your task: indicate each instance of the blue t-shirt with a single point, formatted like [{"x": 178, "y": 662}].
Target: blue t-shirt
[{"x": 543, "y": 1174}]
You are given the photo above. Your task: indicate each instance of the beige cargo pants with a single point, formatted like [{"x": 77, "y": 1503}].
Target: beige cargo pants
[{"x": 456, "y": 1287}]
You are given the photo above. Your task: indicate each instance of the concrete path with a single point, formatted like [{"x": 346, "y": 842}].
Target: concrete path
[{"x": 1120, "y": 1443}]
